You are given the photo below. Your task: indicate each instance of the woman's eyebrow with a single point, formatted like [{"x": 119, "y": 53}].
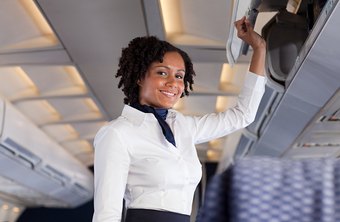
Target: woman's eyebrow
[{"x": 168, "y": 67}]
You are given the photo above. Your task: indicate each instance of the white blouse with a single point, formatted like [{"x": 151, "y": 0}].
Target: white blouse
[{"x": 134, "y": 161}]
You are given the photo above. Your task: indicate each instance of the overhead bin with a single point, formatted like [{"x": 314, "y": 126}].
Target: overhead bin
[
  {"x": 246, "y": 141},
  {"x": 269, "y": 102},
  {"x": 285, "y": 34},
  {"x": 38, "y": 165},
  {"x": 314, "y": 82},
  {"x": 321, "y": 137},
  {"x": 291, "y": 102}
]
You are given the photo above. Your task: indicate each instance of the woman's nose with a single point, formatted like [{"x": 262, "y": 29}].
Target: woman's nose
[{"x": 171, "y": 81}]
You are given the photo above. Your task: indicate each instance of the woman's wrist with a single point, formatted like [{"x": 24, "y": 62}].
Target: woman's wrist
[
  {"x": 257, "y": 63},
  {"x": 260, "y": 45}
]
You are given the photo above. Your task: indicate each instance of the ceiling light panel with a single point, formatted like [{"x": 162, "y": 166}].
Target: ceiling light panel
[
  {"x": 76, "y": 109},
  {"x": 16, "y": 84},
  {"x": 88, "y": 130},
  {"x": 77, "y": 147},
  {"x": 207, "y": 76},
  {"x": 185, "y": 22},
  {"x": 172, "y": 20},
  {"x": 10, "y": 211},
  {"x": 78, "y": 130},
  {"x": 29, "y": 29},
  {"x": 232, "y": 78},
  {"x": 225, "y": 102},
  {"x": 186, "y": 39},
  {"x": 39, "y": 111},
  {"x": 81, "y": 149},
  {"x": 86, "y": 158},
  {"x": 61, "y": 132},
  {"x": 199, "y": 20},
  {"x": 54, "y": 110},
  {"x": 213, "y": 155},
  {"x": 234, "y": 74},
  {"x": 56, "y": 80}
]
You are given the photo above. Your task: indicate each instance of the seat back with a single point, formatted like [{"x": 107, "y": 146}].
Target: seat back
[{"x": 272, "y": 189}]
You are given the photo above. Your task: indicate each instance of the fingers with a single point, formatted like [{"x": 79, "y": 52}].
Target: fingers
[
  {"x": 243, "y": 25},
  {"x": 245, "y": 31},
  {"x": 239, "y": 23},
  {"x": 248, "y": 26}
]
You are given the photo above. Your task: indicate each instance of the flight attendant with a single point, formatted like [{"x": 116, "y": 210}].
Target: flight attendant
[{"x": 147, "y": 156}]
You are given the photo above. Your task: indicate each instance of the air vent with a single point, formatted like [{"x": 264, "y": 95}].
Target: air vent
[
  {"x": 331, "y": 113},
  {"x": 56, "y": 174},
  {"x": 331, "y": 118},
  {"x": 12, "y": 147},
  {"x": 82, "y": 191},
  {"x": 335, "y": 116},
  {"x": 307, "y": 145}
]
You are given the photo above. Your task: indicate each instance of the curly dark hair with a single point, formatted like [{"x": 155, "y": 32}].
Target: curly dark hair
[{"x": 136, "y": 59}]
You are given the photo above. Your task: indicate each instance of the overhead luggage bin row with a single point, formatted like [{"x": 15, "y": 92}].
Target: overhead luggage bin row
[
  {"x": 302, "y": 74},
  {"x": 29, "y": 159},
  {"x": 246, "y": 142},
  {"x": 268, "y": 104},
  {"x": 321, "y": 137}
]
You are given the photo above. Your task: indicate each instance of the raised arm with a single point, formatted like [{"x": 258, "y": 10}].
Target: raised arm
[{"x": 246, "y": 32}]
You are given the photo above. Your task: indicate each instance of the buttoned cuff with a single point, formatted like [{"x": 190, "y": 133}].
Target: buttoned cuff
[{"x": 255, "y": 81}]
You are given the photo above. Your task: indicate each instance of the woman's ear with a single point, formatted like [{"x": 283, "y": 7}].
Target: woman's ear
[{"x": 139, "y": 82}]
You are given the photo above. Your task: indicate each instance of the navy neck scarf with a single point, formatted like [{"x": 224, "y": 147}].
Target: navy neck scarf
[{"x": 160, "y": 115}]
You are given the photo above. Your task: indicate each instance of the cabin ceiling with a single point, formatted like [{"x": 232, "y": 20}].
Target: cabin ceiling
[{"x": 59, "y": 58}]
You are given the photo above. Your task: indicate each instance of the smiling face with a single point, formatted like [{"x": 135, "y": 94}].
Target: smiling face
[{"x": 163, "y": 84}]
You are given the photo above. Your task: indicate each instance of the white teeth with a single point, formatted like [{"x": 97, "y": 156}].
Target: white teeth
[{"x": 168, "y": 93}]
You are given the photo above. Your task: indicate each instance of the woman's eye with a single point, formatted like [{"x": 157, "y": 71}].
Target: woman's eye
[
  {"x": 161, "y": 73},
  {"x": 179, "y": 76}
]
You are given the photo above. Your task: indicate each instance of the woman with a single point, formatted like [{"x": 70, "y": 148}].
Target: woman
[{"x": 147, "y": 155}]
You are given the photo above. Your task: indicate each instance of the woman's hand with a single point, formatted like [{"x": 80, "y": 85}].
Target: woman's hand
[{"x": 246, "y": 32}]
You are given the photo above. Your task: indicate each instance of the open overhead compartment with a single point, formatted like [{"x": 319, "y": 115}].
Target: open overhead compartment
[
  {"x": 285, "y": 34},
  {"x": 301, "y": 88}
]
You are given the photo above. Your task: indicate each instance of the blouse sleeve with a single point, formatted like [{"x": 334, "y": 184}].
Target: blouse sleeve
[
  {"x": 215, "y": 125},
  {"x": 111, "y": 164}
]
